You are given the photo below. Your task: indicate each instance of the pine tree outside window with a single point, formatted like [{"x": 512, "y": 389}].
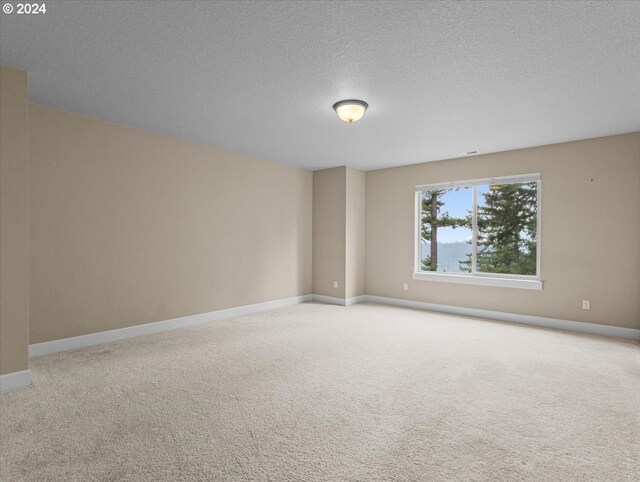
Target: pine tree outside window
[{"x": 485, "y": 231}]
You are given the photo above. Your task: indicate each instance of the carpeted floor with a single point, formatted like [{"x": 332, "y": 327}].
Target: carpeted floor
[{"x": 319, "y": 392}]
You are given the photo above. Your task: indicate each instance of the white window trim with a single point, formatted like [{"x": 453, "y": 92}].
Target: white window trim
[
  {"x": 480, "y": 182},
  {"x": 475, "y": 277},
  {"x": 503, "y": 281}
]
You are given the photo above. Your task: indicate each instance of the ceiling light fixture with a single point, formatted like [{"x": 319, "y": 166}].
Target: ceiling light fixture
[{"x": 350, "y": 110}]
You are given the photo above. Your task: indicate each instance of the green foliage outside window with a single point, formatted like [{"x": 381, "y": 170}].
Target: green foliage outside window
[
  {"x": 506, "y": 228},
  {"x": 433, "y": 217}
]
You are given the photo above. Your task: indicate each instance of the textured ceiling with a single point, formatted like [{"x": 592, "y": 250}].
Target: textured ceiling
[{"x": 260, "y": 77}]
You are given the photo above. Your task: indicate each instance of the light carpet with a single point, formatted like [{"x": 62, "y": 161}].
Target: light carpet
[{"x": 317, "y": 392}]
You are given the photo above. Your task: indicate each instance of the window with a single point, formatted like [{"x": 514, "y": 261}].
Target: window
[{"x": 485, "y": 231}]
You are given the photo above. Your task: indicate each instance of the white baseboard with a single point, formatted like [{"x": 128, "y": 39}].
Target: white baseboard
[
  {"x": 55, "y": 346},
  {"x": 20, "y": 379},
  {"x": 579, "y": 326},
  {"x": 15, "y": 380},
  {"x": 339, "y": 301},
  {"x": 355, "y": 299}
]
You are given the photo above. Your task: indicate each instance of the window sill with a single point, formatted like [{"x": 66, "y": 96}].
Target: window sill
[{"x": 467, "y": 279}]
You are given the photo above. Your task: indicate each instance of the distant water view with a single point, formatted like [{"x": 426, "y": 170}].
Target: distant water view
[{"x": 449, "y": 255}]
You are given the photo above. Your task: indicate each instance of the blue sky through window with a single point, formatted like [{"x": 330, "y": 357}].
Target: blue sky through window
[{"x": 457, "y": 202}]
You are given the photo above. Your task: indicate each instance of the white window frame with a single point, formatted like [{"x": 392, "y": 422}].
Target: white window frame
[{"x": 475, "y": 277}]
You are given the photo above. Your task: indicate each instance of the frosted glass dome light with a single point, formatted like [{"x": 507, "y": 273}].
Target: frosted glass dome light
[{"x": 350, "y": 110}]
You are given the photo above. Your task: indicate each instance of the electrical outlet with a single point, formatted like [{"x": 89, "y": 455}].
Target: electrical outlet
[
  {"x": 405, "y": 286},
  {"x": 586, "y": 304},
  {"x": 335, "y": 284}
]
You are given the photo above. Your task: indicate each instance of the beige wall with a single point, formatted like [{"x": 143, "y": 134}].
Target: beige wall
[
  {"x": 590, "y": 239},
  {"x": 131, "y": 227},
  {"x": 355, "y": 233},
  {"x": 329, "y": 231},
  {"x": 14, "y": 221},
  {"x": 339, "y": 232}
]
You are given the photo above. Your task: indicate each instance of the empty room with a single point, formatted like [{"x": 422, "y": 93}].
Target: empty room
[{"x": 320, "y": 240}]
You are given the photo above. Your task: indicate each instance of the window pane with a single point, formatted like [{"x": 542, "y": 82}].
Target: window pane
[
  {"x": 446, "y": 230},
  {"x": 507, "y": 228}
]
